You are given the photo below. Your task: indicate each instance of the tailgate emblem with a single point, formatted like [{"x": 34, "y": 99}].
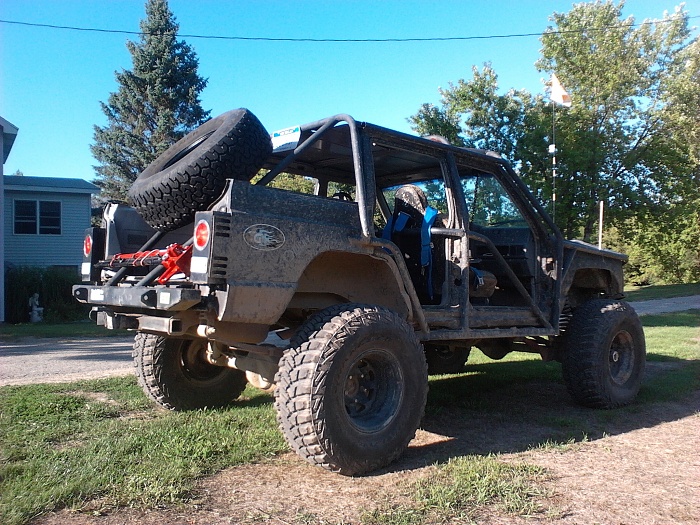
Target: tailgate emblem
[{"x": 263, "y": 237}]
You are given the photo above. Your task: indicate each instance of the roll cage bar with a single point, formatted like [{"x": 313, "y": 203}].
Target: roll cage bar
[{"x": 330, "y": 161}]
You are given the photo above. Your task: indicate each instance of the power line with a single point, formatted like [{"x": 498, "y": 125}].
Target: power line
[{"x": 332, "y": 40}]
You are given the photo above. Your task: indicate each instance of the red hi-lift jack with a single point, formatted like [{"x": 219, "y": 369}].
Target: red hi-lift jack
[{"x": 176, "y": 258}]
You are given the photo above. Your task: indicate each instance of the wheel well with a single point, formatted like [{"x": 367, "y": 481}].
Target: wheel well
[
  {"x": 337, "y": 277},
  {"x": 591, "y": 283}
]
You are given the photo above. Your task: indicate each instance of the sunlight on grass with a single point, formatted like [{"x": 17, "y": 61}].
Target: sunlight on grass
[
  {"x": 673, "y": 336},
  {"x": 662, "y": 291},
  {"x": 462, "y": 487},
  {"x": 62, "y": 446},
  {"x": 101, "y": 443}
]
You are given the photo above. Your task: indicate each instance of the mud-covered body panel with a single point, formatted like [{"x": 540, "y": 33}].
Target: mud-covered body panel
[
  {"x": 278, "y": 244},
  {"x": 591, "y": 272}
]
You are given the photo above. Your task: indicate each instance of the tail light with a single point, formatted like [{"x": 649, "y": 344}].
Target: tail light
[
  {"x": 87, "y": 245},
  {"x": 201, "y": 235},
  {"x": 212, "y": 243},
  {"x": 200, "y": 256},
  {"x": 93, "y": 252}
]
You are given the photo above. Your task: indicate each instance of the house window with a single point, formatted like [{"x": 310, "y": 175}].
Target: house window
[
  {"x": 37, "y": 217},
  {"x": 49, "y": 218}
]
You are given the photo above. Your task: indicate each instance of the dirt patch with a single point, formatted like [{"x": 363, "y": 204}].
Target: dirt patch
[
  {"x": 639, "y": 466},
  {"x": 649, "y": 475},
  {"x": 100, "y": 397}
]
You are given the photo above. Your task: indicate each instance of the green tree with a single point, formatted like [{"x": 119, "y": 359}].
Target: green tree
[
  {"x": 475, "y": 115},
  {"x": 618, "y": 76},
  {"x": 664, "y": 243},
  {"x": 432, "y": 120},
  {"x": 289, "y": 182},
  {"x": 157, "y": 103},
  {"x": 619, "y": 79}
]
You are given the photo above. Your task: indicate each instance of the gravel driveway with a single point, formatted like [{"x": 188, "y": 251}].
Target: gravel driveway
[
  {"x": 35, "y": 360},
  {"x": 38, "y": 360},
  {"x": 660, "y": 306}
]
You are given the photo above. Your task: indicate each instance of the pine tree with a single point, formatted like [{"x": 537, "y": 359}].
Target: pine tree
[{"x": 157, "y": 103}]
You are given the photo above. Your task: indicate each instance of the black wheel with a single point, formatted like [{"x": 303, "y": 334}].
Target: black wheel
[
  {"x": 192, "y": 173},
  {"x": 175, "y": 374},
  {"x": 351, "y": 397},
  {"x": 604, "y": 354},
  {"x": 446, "y": 358}
]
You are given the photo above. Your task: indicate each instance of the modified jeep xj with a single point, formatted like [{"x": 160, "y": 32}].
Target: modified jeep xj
[{"x": 409, "y": 253}]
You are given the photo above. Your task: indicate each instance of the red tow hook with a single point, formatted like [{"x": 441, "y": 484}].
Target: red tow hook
[{"x": 176, "y": 259}]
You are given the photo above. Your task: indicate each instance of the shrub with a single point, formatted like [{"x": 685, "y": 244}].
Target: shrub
[{"x": 53, "y": 284}]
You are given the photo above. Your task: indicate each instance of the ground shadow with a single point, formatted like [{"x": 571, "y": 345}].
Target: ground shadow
[{"x": 498, "y": 408}]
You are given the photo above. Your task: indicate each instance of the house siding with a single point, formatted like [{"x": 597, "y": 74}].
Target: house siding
[{"x": 47, "y": 250}]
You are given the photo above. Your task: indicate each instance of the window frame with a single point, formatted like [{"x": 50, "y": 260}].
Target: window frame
[{"x": 40, "y": 219}]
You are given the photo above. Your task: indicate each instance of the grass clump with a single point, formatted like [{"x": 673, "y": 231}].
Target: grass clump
[
  {"x": 65, "y": 445},
  {"x": 469, "y": 482},
  {"x": 462, "y": 488}
]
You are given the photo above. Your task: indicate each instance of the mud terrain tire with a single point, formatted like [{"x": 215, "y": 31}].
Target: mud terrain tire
[
  {"x": 174, "y": 374},
  {"x": 192, "y": 173},
  {"x": 604, "y": 354},
  {"x": 351, "y": 397}
]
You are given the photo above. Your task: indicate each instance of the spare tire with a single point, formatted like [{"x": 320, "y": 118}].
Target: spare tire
[{"x": 191, "y": 174}]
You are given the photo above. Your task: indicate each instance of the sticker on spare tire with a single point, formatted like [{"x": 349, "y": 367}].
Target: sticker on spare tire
[
  {"x": 263, "y": 237},
  {"x": 285, "y": 139}
]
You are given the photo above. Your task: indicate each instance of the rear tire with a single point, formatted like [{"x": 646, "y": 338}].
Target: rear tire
[
  {"x": 351, "y": 397},
  {"x": 604, "y": 354},
  {"x": 175, "y": 374}
]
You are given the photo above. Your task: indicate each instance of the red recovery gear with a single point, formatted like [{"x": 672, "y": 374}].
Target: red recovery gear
[{"x": 175, "y": 258}]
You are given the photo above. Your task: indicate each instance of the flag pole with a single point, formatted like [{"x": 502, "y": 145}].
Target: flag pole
[
  {"x": 557, "y": 94},
  {"x": 553, "y": 151},
  {"x": 600, "y": 227}
]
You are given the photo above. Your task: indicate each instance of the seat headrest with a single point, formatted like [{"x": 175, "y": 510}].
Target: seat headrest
[{"x": 410, "y": 199}]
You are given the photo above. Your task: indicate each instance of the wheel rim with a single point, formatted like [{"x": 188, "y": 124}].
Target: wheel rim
[
  {"x": 373, "y": 390},
  {"x": 187, "y": 150},
  {"x": 194, "y": 365},
  {"x": 621, "y": 357}
]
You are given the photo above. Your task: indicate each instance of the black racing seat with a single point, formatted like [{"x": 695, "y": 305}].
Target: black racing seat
[{"x": 409, "y": 228}]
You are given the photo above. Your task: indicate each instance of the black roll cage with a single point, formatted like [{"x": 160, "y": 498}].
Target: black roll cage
[{"x": 362, "y": 137}]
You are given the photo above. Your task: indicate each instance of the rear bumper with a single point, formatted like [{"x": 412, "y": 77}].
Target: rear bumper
[{"x": 152, "y": 297}]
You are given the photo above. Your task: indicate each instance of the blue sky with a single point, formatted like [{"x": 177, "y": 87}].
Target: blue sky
[{"x": 51, "y": 80}]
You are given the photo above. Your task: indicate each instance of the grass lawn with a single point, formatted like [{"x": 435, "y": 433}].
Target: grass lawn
[
  {"x": 76, "y": 329},
  {"x": 72, "y": 445},
  {"x": 63, "y": 445},
  {"x": 662, "y": 291}
]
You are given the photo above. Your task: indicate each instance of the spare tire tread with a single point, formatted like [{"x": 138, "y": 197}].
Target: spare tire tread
[{"x": 168, "y": 195}]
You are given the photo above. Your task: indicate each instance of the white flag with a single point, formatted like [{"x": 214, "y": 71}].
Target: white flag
[{"x": 559, "y": 94}]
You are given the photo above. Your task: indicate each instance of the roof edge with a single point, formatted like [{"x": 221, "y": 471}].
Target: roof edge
[{"x": 9, "y": 133}]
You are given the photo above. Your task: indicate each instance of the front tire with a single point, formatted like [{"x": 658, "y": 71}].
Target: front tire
[
  {"x": 175, "y": 374},
  {"x": 604, "y": 354},
  {"x": 351, "y": 397}
]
